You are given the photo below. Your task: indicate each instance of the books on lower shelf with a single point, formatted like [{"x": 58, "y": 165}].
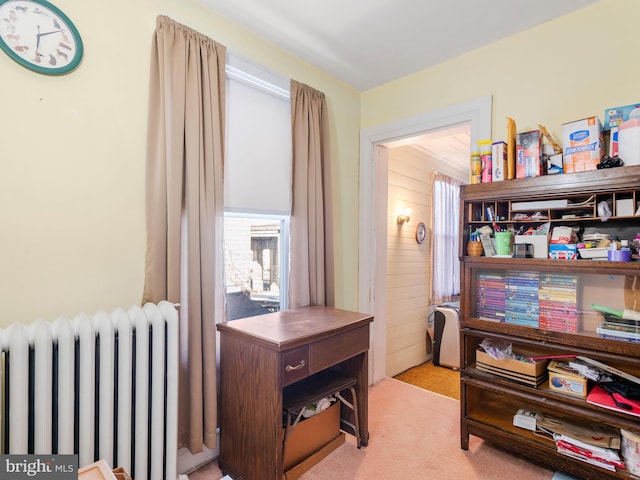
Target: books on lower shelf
[
  {"x": 606, "y": 331},
  {"x": 608, "y": 460},
  {"x": 490, "y": 295},
  {"x": 544, "y": 300},
  {"x": 619, "y": 329},
  {"x": 521, "y": 305},
  {"x": 596, "y": 444},
  {"x": 558, "y": 297}
]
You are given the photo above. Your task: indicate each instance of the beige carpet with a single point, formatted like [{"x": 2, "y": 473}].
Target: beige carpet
[{"x": 414, "y": 435}]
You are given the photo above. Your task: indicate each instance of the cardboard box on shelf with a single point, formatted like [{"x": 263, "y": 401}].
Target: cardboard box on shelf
[
  {"x": 529, "y": 161},
  {"x": 613, "y": 142},
  {"x": 561, "y": 234},
  {"x": 311, "y": 435},
  {"x": 499, "y": 159},
  {"x": 583, "y": 145},
  {"x": 563, "y": 251},
  {"x": 616, "y": 115},
  {"x": 565, "y": 381},
  {"x": 532, "y": 373}
]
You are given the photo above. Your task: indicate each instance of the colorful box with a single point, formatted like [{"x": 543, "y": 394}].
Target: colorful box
[
  {"x": 529, "y": 162},
  {"x": 563, "y": 251},
  {"x": 615, "y": 116},
  {"x": 499, "y": 156},
  {"x": 565, "y": 381},
  {"x": 583, "y": 145}
]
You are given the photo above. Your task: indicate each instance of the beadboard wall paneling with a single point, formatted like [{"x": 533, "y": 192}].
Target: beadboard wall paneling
[
  {"x": 408, "y": 263},
  {"x": 408, "y": 266}
]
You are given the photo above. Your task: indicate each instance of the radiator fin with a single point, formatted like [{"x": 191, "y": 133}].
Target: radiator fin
[{"x": 102, "y": 387}]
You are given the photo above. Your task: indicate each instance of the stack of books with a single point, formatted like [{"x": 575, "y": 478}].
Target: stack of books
[
  {"x": 604, "y": 457},
  {"x": 521, "y": 303},
  {"x": 558, "y": 299},
  {"x": 490, "y": 295},
  {"x": 621, "y": 329},
  {"x": 596, "y": 444}
]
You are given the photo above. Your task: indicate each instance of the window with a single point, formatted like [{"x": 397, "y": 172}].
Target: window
[
  {"x": 446, "y": 215},
  {"x": 257, "y": 190},
  {"x": 256, "y": 256}
]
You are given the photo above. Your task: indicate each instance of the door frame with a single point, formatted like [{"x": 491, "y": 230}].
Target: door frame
[{"x": 372, "y": 269}]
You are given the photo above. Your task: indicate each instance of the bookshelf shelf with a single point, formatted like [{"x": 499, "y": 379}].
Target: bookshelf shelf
[{"x": 544, "y": 306}]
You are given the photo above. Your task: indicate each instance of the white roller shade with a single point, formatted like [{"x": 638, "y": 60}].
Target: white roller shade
[{"x": 258, "y": 150}]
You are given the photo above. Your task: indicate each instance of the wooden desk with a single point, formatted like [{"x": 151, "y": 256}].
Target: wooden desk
[{"x": 254, "y": 355}]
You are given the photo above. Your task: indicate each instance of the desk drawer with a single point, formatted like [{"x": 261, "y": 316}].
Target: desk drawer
[
  {"x": 295, "y": 365},
  {"x": 329, "y": 352}
]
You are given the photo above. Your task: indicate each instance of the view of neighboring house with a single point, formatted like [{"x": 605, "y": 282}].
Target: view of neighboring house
[{"x": 252, "y": 266}]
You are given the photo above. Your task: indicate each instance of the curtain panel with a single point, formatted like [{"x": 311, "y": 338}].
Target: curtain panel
[
  {"x": 311, "y": 277},
  {"x": 184, "y": 208},
  {"x": 445, "y": 278}
]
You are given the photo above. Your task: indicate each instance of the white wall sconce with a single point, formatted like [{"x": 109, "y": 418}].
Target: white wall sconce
[{"x": 405, "y": 216}]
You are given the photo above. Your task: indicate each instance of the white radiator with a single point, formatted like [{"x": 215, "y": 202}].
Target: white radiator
[{"x": 102, "y": 387}]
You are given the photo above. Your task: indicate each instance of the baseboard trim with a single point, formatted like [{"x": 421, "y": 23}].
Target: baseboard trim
[{"x": 188, "y": 462}]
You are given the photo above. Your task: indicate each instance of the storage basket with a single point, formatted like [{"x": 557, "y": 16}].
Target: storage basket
[{"x": 474, "y": 249}]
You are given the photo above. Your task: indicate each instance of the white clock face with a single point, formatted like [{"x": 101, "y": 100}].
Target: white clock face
[
  {"x": 421, "y": 232},
  {"x": 39, "y": 36}
]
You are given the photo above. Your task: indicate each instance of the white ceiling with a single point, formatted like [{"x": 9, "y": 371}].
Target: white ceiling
[{"x": 367, "y": 43}]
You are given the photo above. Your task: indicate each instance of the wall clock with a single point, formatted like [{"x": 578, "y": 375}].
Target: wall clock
[
  {"x": 421, "y": 233},
  {"x": 39, "y": 36}
]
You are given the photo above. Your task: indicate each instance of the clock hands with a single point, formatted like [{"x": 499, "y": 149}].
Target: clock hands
[
  {"x": 48, "y": 33},
  {"x": 40, "y": 35}
]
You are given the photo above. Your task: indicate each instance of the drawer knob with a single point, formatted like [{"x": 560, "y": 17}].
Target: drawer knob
[{"x": 291, "y": 368}]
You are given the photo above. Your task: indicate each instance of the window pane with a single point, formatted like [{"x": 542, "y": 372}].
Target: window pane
[{"x": 254, "y": 249}]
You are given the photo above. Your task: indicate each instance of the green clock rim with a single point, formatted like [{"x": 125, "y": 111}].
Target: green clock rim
[{"x": 72, "y": 65}]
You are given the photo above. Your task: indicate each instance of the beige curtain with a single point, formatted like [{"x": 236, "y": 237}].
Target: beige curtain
[
  {"x": 445, "y": 265},
  {"x": 184, "y": 210},
  {"x": 311, "y": 279}
]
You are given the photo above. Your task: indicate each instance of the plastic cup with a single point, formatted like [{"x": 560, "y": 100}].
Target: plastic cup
[{"x": 503, "y": 243}]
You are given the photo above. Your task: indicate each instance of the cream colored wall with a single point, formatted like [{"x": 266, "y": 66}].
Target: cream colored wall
[
  {"x": 72, "y": 153},
  {"x": 565, "y": 70}
]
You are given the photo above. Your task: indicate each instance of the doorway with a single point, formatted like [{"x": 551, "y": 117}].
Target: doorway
[
  {"x": 411, "y": 164},
  {"x": 373, "y": 208}
]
